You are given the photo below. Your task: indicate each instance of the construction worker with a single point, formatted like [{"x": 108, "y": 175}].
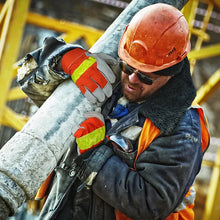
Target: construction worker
[{"x": 138, "y": 156}]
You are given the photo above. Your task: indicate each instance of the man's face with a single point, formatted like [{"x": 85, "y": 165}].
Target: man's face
[{"x": 134, "y": 90}]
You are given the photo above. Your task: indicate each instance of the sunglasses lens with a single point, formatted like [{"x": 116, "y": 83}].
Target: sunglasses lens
[
  {"x": 144, "y": 79},
  {"x": 141, "y": 76},
  {"x": 126, "y": 68}
]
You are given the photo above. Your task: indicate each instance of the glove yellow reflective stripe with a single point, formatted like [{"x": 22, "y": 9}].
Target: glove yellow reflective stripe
[
  {"x": 90, "y": 132},
  {"x": 91, "y": 139},
  {"x": 85, "y": 65},
  {"x": 90, "y": 73}
]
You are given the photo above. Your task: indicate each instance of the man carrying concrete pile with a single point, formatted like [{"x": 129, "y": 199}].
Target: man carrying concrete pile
[{"x": 139, "y": 157}]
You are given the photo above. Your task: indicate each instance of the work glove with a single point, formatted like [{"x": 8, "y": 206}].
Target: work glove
[
  {"x": 91, "y": 132},
  {"x": 91, "y": 73},
  {"x": 38, "y": 76},
  {"x": 4, "y": 210}
]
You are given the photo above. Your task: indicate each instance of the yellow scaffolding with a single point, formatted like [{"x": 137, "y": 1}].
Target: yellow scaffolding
[
  {"x": 212, "y": 204},
  {"x": 202, "y": 52},
  {"x": 13, "y": 17},
  {"x": 12, "y": 20}
]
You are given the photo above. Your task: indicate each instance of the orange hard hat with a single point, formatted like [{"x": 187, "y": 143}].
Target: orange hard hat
[{"x": 156, "y": 38}]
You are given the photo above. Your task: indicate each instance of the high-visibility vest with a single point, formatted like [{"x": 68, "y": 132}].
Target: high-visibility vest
[{"x": 149, "y": 132}]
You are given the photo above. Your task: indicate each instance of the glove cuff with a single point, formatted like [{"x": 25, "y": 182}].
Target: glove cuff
[{"x": 70, "y": 58}]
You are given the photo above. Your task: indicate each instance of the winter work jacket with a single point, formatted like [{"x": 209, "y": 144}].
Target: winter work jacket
[{"x": 154, "y": 181}]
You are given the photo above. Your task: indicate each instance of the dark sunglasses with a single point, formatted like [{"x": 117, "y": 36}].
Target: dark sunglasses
[{"x": 141, "y": 75}]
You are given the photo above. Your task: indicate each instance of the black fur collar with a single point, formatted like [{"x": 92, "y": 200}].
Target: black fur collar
[{"x": 166, "y": 106}]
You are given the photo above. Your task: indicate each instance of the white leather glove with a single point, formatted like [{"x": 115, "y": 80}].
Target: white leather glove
[{"x": 91, "y": 72}]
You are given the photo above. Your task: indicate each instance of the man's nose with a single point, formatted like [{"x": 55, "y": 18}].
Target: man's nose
[{"x": 133, "y": 78}]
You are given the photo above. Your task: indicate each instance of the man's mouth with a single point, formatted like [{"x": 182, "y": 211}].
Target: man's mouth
[{"x": 130, "y": 88}]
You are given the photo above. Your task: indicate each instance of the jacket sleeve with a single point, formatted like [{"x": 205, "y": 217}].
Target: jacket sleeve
[
  {"x": 38, "y": 76},
  {"x": 164, "y": 173}
]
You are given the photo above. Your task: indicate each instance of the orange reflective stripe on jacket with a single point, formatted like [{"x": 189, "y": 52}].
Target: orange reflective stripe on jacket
[
  {"x": 204, "y": 130},
  {"x": 185, "y": 210},
  {"x": 204, "y": 126},
  {"x": 148, "y": 134},
  {"x": 42, "y": 192}
]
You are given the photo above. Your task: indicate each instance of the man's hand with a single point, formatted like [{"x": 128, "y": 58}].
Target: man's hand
[
  {"x": 91, "y": 132},
  {"x": 90, "y": 72}
]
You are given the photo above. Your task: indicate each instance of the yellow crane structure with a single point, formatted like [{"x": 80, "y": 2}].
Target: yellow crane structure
[{"x": 15, "y": 14}]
